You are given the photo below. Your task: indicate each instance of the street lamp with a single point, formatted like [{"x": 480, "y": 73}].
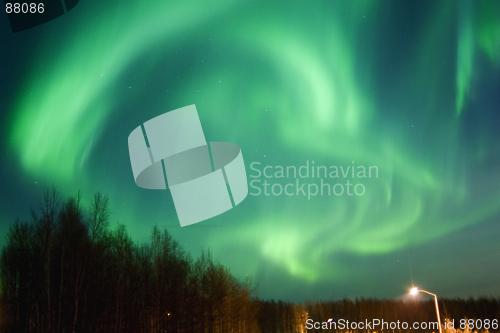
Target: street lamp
[{"x": 415, "y": 291}]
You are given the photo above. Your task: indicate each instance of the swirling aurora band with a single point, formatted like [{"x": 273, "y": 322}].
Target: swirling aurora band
[{"x": 331, "y": 81}]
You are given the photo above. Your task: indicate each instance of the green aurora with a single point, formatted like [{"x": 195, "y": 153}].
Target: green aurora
[{"x": 396, "y": 85}]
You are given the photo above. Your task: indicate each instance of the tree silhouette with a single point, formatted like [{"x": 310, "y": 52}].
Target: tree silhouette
[{"x": 66, "y": 271}]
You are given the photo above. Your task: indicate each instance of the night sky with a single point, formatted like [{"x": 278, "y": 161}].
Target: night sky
[{"x": 409, "y": 87}]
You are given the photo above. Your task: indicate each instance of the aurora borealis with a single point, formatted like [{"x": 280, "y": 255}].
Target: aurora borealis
[{"x": 409, "y": 87}]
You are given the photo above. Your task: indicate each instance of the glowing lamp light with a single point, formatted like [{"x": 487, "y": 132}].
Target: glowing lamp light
[{"x": 415, "y": 291}]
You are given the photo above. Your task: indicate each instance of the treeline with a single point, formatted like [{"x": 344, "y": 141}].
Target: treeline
[{"x": 66, "y": 271}]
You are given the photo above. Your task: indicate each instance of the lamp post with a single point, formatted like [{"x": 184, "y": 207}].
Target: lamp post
[{"x": 415, "y": 291}]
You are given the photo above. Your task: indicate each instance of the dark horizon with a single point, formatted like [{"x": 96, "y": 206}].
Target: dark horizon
[{"x": 66, "y": 269}]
